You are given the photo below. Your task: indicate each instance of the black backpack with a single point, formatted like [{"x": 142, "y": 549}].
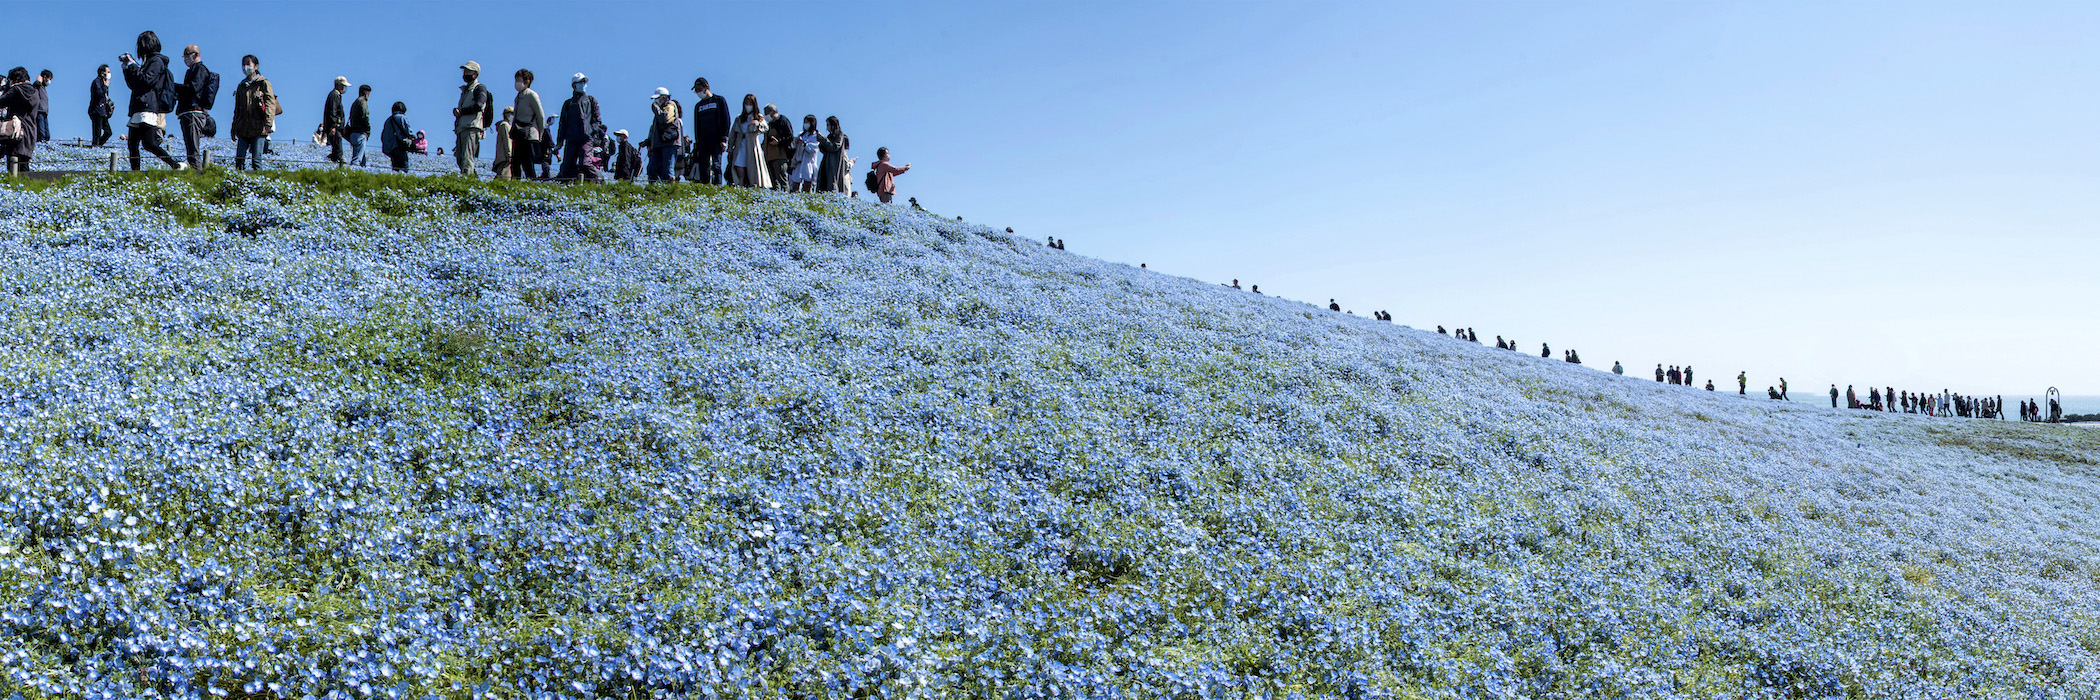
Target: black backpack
[
  {"x": 488, "y": 104},
  {"x": 210, "y": 94},
  {"x": 871, "y": 181}
]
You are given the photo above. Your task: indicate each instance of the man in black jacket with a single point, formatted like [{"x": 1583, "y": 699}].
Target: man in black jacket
[
  {"x": 710, "y": 132},
  {"x": 579, "y": 128},
  {"x": 100, "y": 107},
  {"x": 360, "y": 124},
  {"x": 332, "y": 120},
  {"x": 193, "y": 102},
  {"x": 780, "y": 146}
]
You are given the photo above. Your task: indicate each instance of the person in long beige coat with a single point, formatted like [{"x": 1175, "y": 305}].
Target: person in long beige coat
[
  {"x": 501, "y": 162},
  {"x": 747, "y": 148}
]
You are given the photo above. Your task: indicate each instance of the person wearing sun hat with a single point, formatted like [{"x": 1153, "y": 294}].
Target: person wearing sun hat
[
  {"x": 472, "y": 117},
  {"x": 626, "y": 161},
  {"x": 666, "y": 135},
  {"x": 579, "y": 128}
]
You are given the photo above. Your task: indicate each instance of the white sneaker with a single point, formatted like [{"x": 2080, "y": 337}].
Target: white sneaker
[{"x": 182, "y": 166}]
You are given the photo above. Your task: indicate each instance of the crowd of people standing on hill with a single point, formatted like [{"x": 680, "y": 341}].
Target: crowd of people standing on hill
[
  {"x": 758, "y": 147},
  {"x": 1943, "y": 404}
]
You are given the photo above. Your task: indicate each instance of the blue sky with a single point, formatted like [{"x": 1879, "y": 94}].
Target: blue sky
[{"x": 1874, "y": 193}]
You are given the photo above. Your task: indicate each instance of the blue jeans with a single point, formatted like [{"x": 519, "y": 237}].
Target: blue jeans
[
  {"x": 357, "y": 147},
  {"x": 660, "y": 160},
  {"x": 252, "y": 148}
]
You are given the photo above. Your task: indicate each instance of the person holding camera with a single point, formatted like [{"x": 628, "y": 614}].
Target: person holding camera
[{"x": 152, "y": 98}]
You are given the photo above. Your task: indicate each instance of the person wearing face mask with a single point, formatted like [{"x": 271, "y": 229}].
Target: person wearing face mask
[
  {"x": 528, "y": 130},
  {"x": 833, "y": 172},
  {"x": 43, "y": 106},
  {"x": 471, "y": 117},
  {"x": 152, "y": 97},
  {"x": 580, "y": 131},
  {"x": 666, "y": 134},
  {"x": 255, "y": 110},
  {"x": 710, "y": 133},
  {"x": 802, "y": 166},
  {"x": 100, "y": 107}
]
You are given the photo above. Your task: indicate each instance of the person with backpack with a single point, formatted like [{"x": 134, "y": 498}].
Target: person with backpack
[
  {"x": 360, "y": 129},
  {"x": 100, "y": 108},
  {"x": 1617, "y": 368},
  {"x": 152, "y": 97},
  {"x": 581, "y": 130},
  {"x": 528, "y": 129},
  {"x": 802, "y": 165},
  {"x": 255, "y": 111},
  {"x": 710, "y": 134},
  {"x": 18, "y": 129},
  {"x": 626, "y": 159},
  {"x": 470, "y": 120},
  {"x": 397, "y": 138},
  {"x": 333, "y": 121},
  {"x": 666, "y": 132},
  {"x": 832, "y": 172},
  {"x": 882, "y": 178},
  {"x": 194, "y": 99}
]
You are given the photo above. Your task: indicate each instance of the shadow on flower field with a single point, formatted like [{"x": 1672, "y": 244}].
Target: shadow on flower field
[{"x": 318, "y": 433}]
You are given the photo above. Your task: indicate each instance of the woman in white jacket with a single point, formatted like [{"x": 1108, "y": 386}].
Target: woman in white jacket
[{"x": 802, "y": 168}]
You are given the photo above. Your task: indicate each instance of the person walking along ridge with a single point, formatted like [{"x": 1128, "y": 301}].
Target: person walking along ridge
[
  {"x": 626, "y": 160},
  {"x": 333, "y": 119},
  {"x": 528, "y": 131},
  {"x": 152, "y": 97},
  {"x": 580, "y": 129},
  {"x": 194, "y": 104},
  {"x": 100, "y": 108},
  {"x": 471, "y": 118},
  {"x": 255, "y": 112}
]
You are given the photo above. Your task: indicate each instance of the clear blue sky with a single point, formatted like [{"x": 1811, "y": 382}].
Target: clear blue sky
[{"x": 1876, "y": 193}]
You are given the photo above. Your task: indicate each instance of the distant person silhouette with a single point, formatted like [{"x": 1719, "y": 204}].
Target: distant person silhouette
[
  {"x": 1618, "y": 369},
  {"x": 1660, "y": 375},
  {"x": 1545, "y": 350},
  {"x": 1499, "y": 344},
  {"x": 1709, "y": 385},
  {"x": 1833, "y": 396},
  {"x": 1256, "y": 289},
  {"x": 1782, "y": 390},
  {"x": 1331, "y": 306},
  {"x": 1440, "y": 331},
  {"x": 1742, "y": 383},
  {"x": 1772, "y": 393}
]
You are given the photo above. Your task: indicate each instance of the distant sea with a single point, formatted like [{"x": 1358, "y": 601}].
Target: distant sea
[{"x": 2072, "y": 404}]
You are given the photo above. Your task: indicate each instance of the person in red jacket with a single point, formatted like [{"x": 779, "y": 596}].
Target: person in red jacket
[{"x": 886, "y": 175}]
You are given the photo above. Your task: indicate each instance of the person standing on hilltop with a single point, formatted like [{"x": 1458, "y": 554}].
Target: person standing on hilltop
[
  {"x": 710, "y": 133},
  {"x": 528, "y": 130},
  {"x": 779, "y": 145},
  {"x": 666, "y": 135},
  {"x": 1782, "y": 390},
  {"x": 1660, "y": 375},
  {"x": 471, "y": 118},
  {"x": 1617, "y": 368},
  {"x": 1687, "y": 375},
  {"x": 1833, "y": 396},
  {"x": 152, "y": 97},
  {"x": 255, "y": 111},
  {"x": 886, "y": 181},
  {"x": 18, "y": 97},
  {"x": 1676, "y": 377},
  {"x": 359, "y": 132},
  {"x": 580, "y": 128},
  {"x": 1742, "y": 383},
  {"x": 834, "y": 172},
  {"x": 499, "y": 161},
  {"x": 397, "y": 137},
  {"x": 1545, "y": 350},
  {"x": 805, "y": 156}
]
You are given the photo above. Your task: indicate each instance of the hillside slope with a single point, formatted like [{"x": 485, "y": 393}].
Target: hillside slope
[{"x": 422, "y": 437}]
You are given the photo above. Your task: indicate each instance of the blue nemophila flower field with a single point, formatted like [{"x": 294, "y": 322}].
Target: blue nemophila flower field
[{"x": 274, "y": 437}]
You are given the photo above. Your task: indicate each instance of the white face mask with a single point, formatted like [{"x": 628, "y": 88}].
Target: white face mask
[
  {"x": 580, "y": 86},
  {"x": 248, "y": 70}
]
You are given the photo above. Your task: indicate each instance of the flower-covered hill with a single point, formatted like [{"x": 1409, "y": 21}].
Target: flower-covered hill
[{"x": 332, "y": 435}]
